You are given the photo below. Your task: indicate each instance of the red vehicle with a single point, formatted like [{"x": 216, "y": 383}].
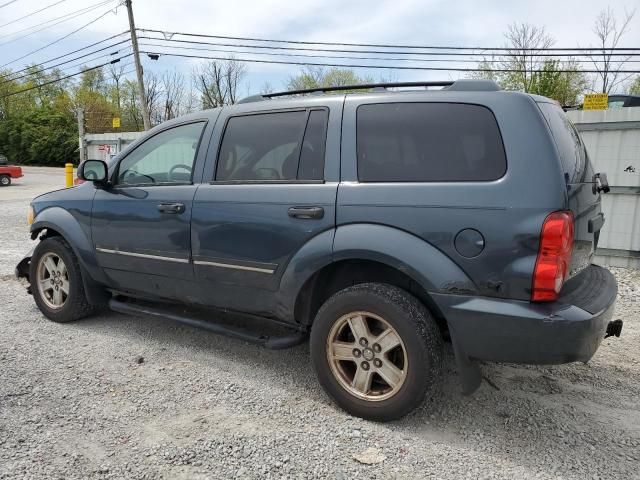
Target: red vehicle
[{"x": 7, "y": 172}]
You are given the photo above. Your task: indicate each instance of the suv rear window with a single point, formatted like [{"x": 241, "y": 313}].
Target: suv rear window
[
  {"x": 573, "y": 153},
  {"x": 428, "y": 142}
]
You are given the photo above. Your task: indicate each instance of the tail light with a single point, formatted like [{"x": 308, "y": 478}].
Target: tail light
[{"x": 554, "y": 257}]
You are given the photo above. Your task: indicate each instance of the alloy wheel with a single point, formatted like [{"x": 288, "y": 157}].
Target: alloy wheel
[
  {"x": 53, "y": 280},
  {"x": 367, "y": 356}
]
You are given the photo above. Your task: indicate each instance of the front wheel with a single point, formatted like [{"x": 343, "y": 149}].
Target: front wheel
[
  {"x": 5, "y": 180},
  {"x": 56, "y": 281},
  {"x": 376, "y": 351}
]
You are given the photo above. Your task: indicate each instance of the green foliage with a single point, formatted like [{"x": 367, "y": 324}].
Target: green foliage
[
  {"x": 317, "y": 77},
  {"x": 40, "y": 137},
  {"x": 634, "y": 89},
  {"x": 38, "y": 126},
  {"x": 564, "y": 87}
]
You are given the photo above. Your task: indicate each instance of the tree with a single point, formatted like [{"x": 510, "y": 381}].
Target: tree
[
  {"x": 131, "y": 111},
  {"x": 267, "y": 88},
  {"x": 116, "y": 72},
  {"x": 153, "y": 92},
  {"x": 318, "y": 77},
  {"x": 486, "y": 71},
  {"x": 522, "y": 40},
  {"x": 40, "y": 136},
  {"x": 90, "y": 95},
  {"x": 634, "y": 89},
  {"x": 524, "y": 69},
  {"x": 218, "y": 82},
  {"x": 565, "y": 87},
  {"x": 609, "y": 33},
  {"x": 173, "y": 93}
]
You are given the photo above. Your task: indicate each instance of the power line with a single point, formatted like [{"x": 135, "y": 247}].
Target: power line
[
  {"x": 388, "y": 67},
  {"x": 70, "y": 67},
  {"x": 32, "y": 72},
  {"x": 62, "y": 19},
  {"x": 115, "y": 60},
  {"x": 8, "y": 3},
  {"x": 33, "y": 13},
  {"x": 378, "y": 52},
  {"x": 422, "y": 47},
  {"x": 72, "y": 52},
  {"x": 58, "y": 40},
  {"x": 347, "y": 57}
]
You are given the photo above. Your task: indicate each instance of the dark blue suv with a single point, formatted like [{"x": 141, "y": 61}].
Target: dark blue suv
[{"x": 380, "y": 223}]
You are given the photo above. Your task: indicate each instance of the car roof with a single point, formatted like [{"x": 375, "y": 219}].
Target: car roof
[
  {"x": 404, "y": 91},
  {"x": 463, "y": 85}
]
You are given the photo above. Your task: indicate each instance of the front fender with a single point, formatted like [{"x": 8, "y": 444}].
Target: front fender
[{"x": 78, "y": 238}]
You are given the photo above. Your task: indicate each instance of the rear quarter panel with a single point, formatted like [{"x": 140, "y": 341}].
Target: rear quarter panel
[{"x": 508, "y": 212}]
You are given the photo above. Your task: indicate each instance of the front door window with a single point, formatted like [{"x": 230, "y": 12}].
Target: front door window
[{"x": 166, "y": 158}]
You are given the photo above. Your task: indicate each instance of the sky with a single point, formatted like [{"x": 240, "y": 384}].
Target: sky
[{"x": 406, "y": 22}]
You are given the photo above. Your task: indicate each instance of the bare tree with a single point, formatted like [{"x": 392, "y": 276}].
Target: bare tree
[
  {"x": 116, "y": 72},
  {"x": 153, "y": 93},
  {"x": 192, "y": 101},
  {"x": 174, "y": 93},
  {"x": 609, "y": 32},
  {"x": 267, "y": 88},
  {"x": 524, "y": 42},
  {"x": 218, "y": 82}
]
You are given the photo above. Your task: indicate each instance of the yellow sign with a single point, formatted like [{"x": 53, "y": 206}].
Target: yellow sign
[
  {"x": 116, "y": 122},
  {"x": 596, "y": 101}
]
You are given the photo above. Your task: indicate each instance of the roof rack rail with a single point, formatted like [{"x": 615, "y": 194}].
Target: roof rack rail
[
  {"x": 459, "y": 85},
  {"x": 363, "y": 86}
]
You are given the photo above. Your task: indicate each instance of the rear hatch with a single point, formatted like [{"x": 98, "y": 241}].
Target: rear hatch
[{"x": 584, "y": 201}]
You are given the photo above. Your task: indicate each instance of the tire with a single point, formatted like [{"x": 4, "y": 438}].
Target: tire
[
  {"x": 73, "y": 305},
  {"x": 5, "y": 180},
  {"x": 419, "y": 360}
]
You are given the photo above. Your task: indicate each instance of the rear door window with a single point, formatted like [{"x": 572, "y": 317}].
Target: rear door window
[
  {"x": 428, "y": 142},
  {"x": 275, "y": 146},
  {"x": 313, "y": 146}
]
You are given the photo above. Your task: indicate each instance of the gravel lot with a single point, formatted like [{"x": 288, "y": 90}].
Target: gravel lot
[{"x": 122, "y": 397}]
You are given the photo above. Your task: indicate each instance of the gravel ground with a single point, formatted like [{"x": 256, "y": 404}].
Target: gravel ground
[{"x": 122, "y": 397}]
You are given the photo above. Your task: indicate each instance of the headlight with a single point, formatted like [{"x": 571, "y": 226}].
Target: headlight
[{"x": 30, "y": 215}]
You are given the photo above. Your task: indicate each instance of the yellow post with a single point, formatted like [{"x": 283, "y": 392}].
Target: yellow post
[{"x": 68, "y": 175}]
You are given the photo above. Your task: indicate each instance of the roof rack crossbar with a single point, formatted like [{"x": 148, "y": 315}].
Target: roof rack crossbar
[{"x": 363, "y": 86}]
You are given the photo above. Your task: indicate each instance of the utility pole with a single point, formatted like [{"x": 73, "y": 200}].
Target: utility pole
[
  {"x": 136, "y": 57},
  {"x": 81, "y": 132}
]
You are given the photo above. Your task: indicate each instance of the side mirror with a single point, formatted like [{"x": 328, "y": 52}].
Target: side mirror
[{"x": 93, "y": 171}]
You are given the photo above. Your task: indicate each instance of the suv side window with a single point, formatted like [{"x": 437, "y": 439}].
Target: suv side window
[
  {"x": 273, "y": 147},
  {"x": 428, "y": 142},
  {"x": 164, "y": 158}
]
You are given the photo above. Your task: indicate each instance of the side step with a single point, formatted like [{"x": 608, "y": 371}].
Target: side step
[{"x": 287, "y": 340}]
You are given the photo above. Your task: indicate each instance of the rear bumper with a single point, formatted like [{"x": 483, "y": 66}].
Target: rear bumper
[{"x": 567, "y": 330}]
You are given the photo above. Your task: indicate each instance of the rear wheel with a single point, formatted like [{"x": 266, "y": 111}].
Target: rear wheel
[
  {"x": 5, "y": 180},
  {"x": 56, "y": 281},
  {"x": 376, "y": 350}
]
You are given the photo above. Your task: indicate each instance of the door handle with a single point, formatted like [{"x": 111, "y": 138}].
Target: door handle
[
  {"x": 171, "y": 207},
  {"x": 306, "y": 213}
]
